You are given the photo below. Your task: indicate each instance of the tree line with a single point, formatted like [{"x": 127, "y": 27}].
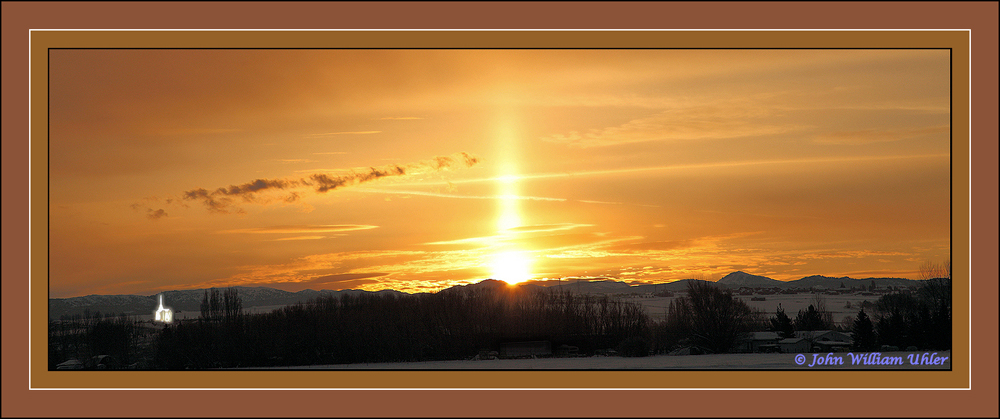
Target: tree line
[
  {"x": 84, "y": 337},
  {"x": 920, "y": 319},
  {"x": 462, "y": 322},
  {"x": 453, "y": 324},
  {"x": 714, "y": 320}
]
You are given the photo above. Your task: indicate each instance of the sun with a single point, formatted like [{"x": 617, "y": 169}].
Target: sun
[{"x": 511, "y": 267}]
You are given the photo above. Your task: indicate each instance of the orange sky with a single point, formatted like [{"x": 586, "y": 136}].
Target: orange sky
[{"x": 421, "y": 169}]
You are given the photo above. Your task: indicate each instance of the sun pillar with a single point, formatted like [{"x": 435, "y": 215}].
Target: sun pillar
[{"x": 510, "y": 263}]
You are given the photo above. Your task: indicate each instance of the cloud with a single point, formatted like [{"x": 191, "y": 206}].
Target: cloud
[
  {"x": 152, "y": 214},
  {"x": 299, "y": 238},
  {"x": 221, "y": 200},
  {"x": 155, "y": 215},
  {"x": 547, "y": 227},
  {"x": 705, "y": 122},
  {"x": 299, "y": 229},
  {"x": 224, "y": 199},
  {"x": 530, "y": 234},
  {"x": 326, "y": 182},
  {"x": 339, "y": 278},
  {"x": 878, "y": 136},
  {"x": 344, "y": 133},
  {"x": 660, "y": 245},
  {"x": 448, "y": 195},
  {"x": 399, "y": 118},
  {"x": 295, "y": 160}
]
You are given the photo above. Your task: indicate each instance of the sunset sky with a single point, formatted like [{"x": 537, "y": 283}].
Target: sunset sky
[{"x": 417, "y": 170}]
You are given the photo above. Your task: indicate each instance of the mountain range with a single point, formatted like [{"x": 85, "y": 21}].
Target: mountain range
[{"x": 190, "y": 300}]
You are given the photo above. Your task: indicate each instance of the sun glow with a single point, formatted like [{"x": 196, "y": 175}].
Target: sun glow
[
  {"x": 509, "y": 264},
  {"x": 511, "y": 267}
]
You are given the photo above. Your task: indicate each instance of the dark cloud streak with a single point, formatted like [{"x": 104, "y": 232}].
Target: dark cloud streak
[
  {"x": 221, "y": 200},
  {"x": 155, "y": 215}
]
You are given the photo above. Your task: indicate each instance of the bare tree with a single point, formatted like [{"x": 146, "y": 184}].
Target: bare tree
[
  {"x": 232, "y": 304},
  {"x": 714, "y": 318},
  {"x": 819, "y": 302},
  {"x": 932, "y": 270},
  {"x": 212, "y": 305}
]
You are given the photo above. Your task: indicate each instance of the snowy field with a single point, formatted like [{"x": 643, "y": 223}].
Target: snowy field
[
  {"x": 662, "y": 362},
  {"x": 838, "y": 305}
]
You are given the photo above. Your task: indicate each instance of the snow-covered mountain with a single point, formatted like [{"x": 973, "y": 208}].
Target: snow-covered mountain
[
  {"x": 835, "y": 283},
  {"x": 190, "y": 300},
  {"x": 740, "y": 279}
]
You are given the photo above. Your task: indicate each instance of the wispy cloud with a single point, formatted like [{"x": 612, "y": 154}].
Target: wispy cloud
[
  {"x": 538, "y": 228},
  {"x": 342, "y": 268},
  {"x": 399, "y": 118},
  {"x": 720, "y": 121},
  {"x": 155, "y": 215},
  {"x": 878, "y": 136},
  {"x": 680, "y": 167},
  {"x": 344, "y": 133},
  {"x": 459, "y": 196},
  {"x": 225, "y": 199},
  {"x": 294, "y": 160},
  {"x": 298, "y": 229},
  {"x": 144, "y": 206},
  {"x": 300, "y": 238},
  {"x": 532, "y": 232}
]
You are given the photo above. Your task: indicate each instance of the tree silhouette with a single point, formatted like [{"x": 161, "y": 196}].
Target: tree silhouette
[
  {"x": 864, "y": 333},
  {"x": 811, "y": 319},
  {"x": 782, "y": 324},
  {"x": 713, "y": 318},
  {"x": 212, "y": 305}
]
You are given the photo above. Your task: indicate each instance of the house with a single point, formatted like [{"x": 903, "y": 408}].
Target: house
[
  {"x": 567, "y": 351},
  {"x": 794, "y": 345},
  {"x": 758, "y": 342},
  {"x": 826, "y": 340}
]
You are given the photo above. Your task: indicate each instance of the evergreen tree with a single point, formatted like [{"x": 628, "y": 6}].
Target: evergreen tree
[
  {"x": 864, "y": 333},
  {"x": 782, "y": 324},
  {"x": 811, "y": 319}
]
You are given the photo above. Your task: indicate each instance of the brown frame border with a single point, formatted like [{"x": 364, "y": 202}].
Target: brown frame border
[
  {"x": 572, "y": 402},
  {"x": 42, "y": 41}
]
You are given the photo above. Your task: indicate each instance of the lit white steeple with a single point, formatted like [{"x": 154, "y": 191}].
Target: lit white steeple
[{"x": 163, "y": 314}]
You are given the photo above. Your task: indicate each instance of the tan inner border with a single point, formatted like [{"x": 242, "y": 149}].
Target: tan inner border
[{"x": 958, "y": 41}]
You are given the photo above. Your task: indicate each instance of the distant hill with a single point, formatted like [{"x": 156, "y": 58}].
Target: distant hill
[
  {"x": 835, "y": 283},
  {"x": 190, "y": 300},
  {"x": 673, "y": 286},
  {"x": 741, "y": 279}
]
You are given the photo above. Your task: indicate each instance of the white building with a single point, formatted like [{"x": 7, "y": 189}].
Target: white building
[{"x": 163, "y": 314}]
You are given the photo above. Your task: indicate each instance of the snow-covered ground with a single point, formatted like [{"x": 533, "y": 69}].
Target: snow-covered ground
[
  {"x": 662, "y": 362},
  {"x": 838, "y": 305}
]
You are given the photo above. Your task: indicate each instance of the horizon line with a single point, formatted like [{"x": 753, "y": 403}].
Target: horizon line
[{"x": 548, "y": 281}]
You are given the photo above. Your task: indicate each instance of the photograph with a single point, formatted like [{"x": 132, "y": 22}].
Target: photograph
[
  {"x": 496, "y": 209},
  {"x": 484, "y": 209}
]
